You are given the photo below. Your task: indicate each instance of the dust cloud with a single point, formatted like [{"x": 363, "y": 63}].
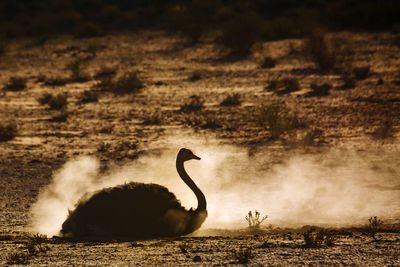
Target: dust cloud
[{"x": 335, "y": 188}]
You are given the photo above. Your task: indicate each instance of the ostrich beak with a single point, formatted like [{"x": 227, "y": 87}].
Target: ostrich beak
[{"x": 196, "y": 157}]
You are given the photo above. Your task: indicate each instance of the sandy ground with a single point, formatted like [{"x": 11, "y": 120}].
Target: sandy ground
[{"x": 114, "y": 130}]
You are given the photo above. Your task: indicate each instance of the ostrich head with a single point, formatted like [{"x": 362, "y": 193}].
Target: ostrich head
[{"x": 185, "y": 154}]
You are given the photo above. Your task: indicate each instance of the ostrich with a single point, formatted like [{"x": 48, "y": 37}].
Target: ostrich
[{"x": 137, "y": 210}]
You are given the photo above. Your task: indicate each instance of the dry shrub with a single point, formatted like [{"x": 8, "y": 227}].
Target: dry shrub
[
  {"x": 88, "y": 96},
  {"x": 243, "y": 255},
  {"x": 58, "y": 101},
  {"x": 196, "y": 103},
  {"x": 231, "y": 100},
  {"x": 195, "y": 76},
  {"x": 18, "y": 257},
  {"x": 315, "y": 239},
  {"x": 276, "y": 119},
  {"x": 152, "y": 119},
  {"x": 255, "y": 221},
  {"x": 127, "y": 83},
  {"x": 374, "y": 226},
  {"x": 16, "y": 83},
  {"x": 319, "y": 89},
  {"x": 7, "y": 131}
]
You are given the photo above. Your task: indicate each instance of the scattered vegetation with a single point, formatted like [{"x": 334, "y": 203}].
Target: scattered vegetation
[
  {"x": 243, "y": 255},
  {"x": 312, "y": 137},
  {"x": 276, "y": 119},
  {"x": 18, "y": 257},
  {"x": 374, "y": 226},
  {"x": 34, "y": 246},
  {"x": 231, "y": 100},
  {"x": 268, "y": 63},
  {"x": 60, "y": 117},
  {"x": 196, "y": 103},
  {"x": 58, "y": 101},
  {"x": 319, "y": 90},
  {"x": 255, "y": 221},
  {"x": 7, "y": 131},
  {"x": 16, "y": 83},
  {"x": 315, "y": 239}
]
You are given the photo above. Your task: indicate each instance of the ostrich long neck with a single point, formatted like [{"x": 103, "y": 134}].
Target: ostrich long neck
[{"x": 202, "y": 205}]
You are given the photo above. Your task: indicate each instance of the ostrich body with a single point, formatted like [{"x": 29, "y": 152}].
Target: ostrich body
[{"x": 137, "y": 210}]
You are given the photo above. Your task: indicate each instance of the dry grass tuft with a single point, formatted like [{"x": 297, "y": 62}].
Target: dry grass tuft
[
  {"x": 16, "y": 83},
  {"x": 195, "y": 104},
  {"x": 7, "y": 131},
  {"x": 319, "y": 90},
  {"x": 276, "y": 119},
  {"x": 315, "y": 239},
  {"x": 58, "y": 101},
  {"x": 231, "y": 100},
  {"x": 284, "y": 86},
  {"x": 243, "y": 255}
]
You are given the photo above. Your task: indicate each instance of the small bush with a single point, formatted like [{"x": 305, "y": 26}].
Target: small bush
[
  {"x": 88, "y": 96},
  {"x": 127, "y": 83},
  {"x": 7, "y": 131},
  {"x": 243, "y": 256},
  {"x": 18, "y": 257},
  {"x": 319, "y": 90},
  {"x": 152, "y": 119},
  {"x": 195, "y": 104},
  {"x": 268, "y": 62},
  {"x": 59, "y": 117},
  {"x": 231, "y": 100},
  {"x": 314, "y": 239},
  {"x": 276, "y": 119},
  {"x": 374, "y": 226},
  {"x": 255, "y": 221},
  {"x": 58, "y": 101},
  {"x": 319, "y": 50},
  {"x": 16, "y": 83}
]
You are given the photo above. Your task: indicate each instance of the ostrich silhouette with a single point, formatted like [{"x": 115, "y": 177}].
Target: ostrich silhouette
[{"x": 137, "y": 210}]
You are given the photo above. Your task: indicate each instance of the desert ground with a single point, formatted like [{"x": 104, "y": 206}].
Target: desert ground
[{"x": 183, "y": 85}]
